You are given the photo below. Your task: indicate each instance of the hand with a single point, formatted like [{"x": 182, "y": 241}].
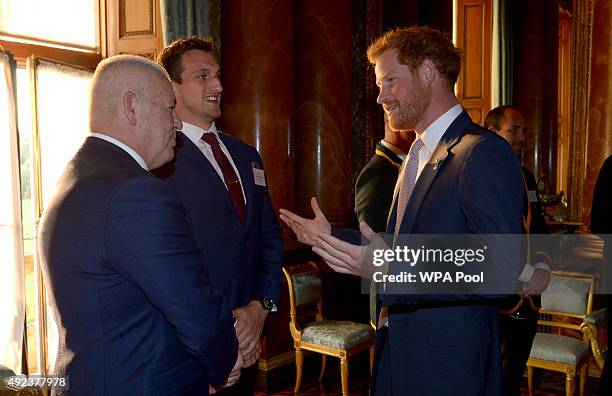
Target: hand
[
  {"x": 249, "y": 325},
  {"x": 235, "y": 373},
  {"x": 211, "y": 390},
  {"x": 250, "y": 359},
  {"x": 538, "y": 282},
  {"x": 344, "y": 257},
  {"x": 307, "y": 231}
]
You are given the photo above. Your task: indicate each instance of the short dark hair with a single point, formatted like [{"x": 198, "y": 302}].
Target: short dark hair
[
  {"x": 170, "y": 57},
  {"x": 414, "y": 45},
  {"x": 495, "y": 116}
]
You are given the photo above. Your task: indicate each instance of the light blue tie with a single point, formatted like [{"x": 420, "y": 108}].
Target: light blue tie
[{"x": 408, "y": 179}]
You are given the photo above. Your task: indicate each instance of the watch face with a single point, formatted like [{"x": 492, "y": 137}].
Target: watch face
[{"x": 267, "y": 303}]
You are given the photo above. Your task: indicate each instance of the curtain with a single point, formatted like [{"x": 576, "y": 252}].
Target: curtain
[
  {"x": 186, "y": 18},
  {"x": 12, "y": 295},
  {"x": 503, "y": 54},
  {"x": 62, "y": 110}
]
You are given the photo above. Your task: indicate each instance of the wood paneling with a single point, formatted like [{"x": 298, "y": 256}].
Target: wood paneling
[
  {"x": 136, "y": 18},
  {"x": 472, "y": 35},
  {"x": 133, "y": 27},
  {"x": 582, "y": 20}
]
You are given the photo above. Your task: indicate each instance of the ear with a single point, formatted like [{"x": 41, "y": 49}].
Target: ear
[
  {"x": 129, "y": 107},
  {"x": 427, "y": 72}
]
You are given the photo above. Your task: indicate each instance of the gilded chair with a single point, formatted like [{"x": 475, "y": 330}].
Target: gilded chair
[
  {"x": 565, "y": 304},
  {"x": 590, "y": 328},
  {"x": 341, "y": 339}
]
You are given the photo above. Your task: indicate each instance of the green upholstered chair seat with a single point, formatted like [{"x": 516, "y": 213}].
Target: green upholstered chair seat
[
  {"x": 558, "y": 348},
  {"x": 336, "y": 333}
]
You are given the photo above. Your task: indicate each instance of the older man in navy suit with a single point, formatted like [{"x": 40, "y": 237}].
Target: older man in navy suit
[
  {"x": 136, "y": 311},
  {"x": 458, "y": 178},
  {"x": 221, "y": 183}
]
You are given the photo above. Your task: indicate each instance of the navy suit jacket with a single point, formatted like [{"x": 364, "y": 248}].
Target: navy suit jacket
[
  {"x": 449, "y": 344},
  {"x": 136, "y": 311},
  {"x": 244, "y": 260}
]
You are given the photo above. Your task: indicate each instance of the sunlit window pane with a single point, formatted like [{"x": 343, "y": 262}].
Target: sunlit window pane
[
  {"x": 28, "y": 214},
  {"x": 62, "y": 117},
  {"x": 11, "y": 264},
  {"x": 69, "y": 22}
]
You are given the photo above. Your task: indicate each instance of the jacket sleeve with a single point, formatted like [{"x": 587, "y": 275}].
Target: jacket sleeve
[
  {"x": 270, "y": 249},
  {"x": 148, "y": 242}
]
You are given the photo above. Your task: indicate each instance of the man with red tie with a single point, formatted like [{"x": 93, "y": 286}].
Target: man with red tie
[{"x": 221, "y": 183}]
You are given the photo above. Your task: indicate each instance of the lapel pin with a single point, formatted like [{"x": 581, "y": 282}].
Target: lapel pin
[{"x": 437, "y": 164}]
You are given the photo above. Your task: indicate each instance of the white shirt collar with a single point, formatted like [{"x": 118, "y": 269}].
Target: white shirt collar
[
  {"x": 194, "y": 133},
  {"x": 123, "y": 146},
  {"x": 433, "y": 133}
]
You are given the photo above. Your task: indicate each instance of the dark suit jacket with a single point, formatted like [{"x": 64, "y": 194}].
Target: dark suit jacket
[
  {"x": 449, "y": 344},
  {"x": 374, "y": 188},
  {"x": 136, "y": 312},
  {"x": 244, "y": 260}
]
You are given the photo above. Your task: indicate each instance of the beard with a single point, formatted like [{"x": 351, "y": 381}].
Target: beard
[{"x": 410, "y": 110}]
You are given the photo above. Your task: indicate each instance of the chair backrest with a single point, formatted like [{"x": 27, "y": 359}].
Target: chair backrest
[
  {"x": 568, "y": 295},
  {"x": 304, "y": 282}
]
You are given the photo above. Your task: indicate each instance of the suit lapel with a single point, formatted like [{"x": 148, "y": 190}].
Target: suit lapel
[
  {"x": 434, "y": 165},
  {"x": 193, "y": 153}
]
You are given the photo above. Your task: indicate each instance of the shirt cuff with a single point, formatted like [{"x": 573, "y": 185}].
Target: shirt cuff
[{"x": 527, "y": 273}]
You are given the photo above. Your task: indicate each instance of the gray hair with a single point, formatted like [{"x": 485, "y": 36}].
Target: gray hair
[{"x": 116, "y": 75}]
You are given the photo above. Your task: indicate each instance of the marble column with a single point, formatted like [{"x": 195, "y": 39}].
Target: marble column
[
  {"x": 535, "y": 85},
  {"x": 323, "y": 108},
  {"x": 257, "y": 76}
]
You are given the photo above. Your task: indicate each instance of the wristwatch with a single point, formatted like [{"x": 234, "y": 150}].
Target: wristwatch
[{"x": 267, "y": 303}]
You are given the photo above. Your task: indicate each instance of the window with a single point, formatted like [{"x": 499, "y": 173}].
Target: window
[
  {"x": 71, "y": 23},
  {"x": 43, "y": 120}
]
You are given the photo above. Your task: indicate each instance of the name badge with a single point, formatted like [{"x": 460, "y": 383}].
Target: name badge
[
  {"x": 259, "y": 176},
  {"x": 532, "y": 196}
]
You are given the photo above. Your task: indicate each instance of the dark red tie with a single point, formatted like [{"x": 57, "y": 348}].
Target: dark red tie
[{"x": 229, "y": 175}]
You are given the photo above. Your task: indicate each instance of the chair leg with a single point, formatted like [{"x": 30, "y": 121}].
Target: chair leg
[
  {"x": 584, "y": 375},
  {"x": 570, "y": 384},
  {"x": 371, "y": 358},
  {"x": 299, "y": 360},
  {"x": 530, "y": 380},
  {"x": 344, "y": 373},
  {"x": 323, "y": 365}
]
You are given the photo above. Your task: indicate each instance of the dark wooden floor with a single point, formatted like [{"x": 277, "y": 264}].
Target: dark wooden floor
[{"x": 550, "y": 383}]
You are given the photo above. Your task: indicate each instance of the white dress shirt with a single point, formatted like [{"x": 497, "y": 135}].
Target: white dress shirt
[
  {"x": 194, "y": 133},
  {"x": 123, "y": 146},
  {"x": 433, "y": 133}
]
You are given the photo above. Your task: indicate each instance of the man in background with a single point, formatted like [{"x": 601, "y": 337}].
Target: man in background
[
  {"x": 221, "y": 183},
  {"x": 376, "y": 181},
  {"x": 135, "y": 308},
  {"x": 518, "y": 325},
  {"x": 374, "y": 191}
]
